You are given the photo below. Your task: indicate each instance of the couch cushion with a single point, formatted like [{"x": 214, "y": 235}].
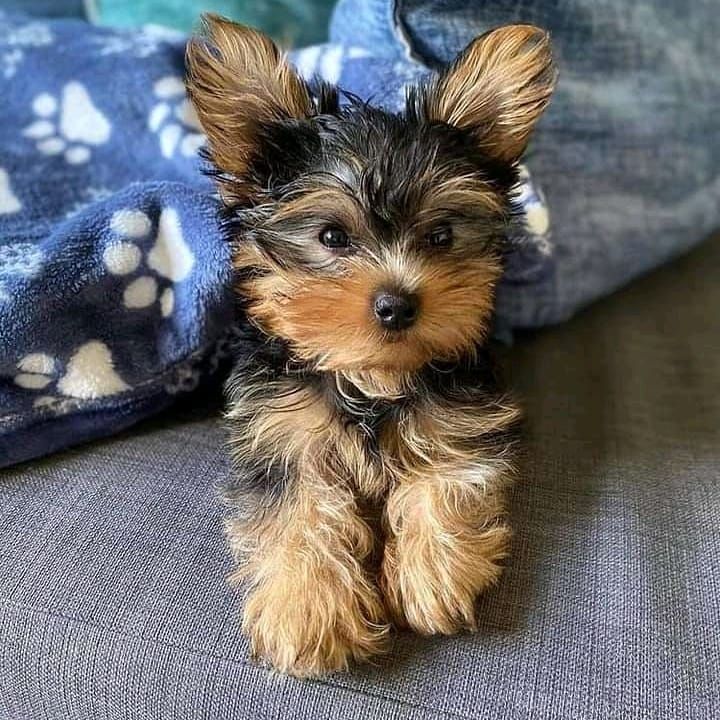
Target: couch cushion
[{"x": 112, "y": 595}]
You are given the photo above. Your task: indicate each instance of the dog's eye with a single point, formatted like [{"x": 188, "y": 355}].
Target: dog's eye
[
  {"x": 441, "y": 236},
  {"x": 334, "y": 238}
]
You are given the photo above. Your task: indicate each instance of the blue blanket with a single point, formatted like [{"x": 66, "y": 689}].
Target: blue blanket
[{"x": 114, "y": 274}]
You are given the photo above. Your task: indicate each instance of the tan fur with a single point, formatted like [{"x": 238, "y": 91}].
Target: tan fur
[
  {"x": 379, "y": 383},
  {"x": 237, "y": 78},
  {"x": 298, "y": 428},
  {"x": 311, "y": 607},
  {"x": 311, "y": 604},
  {"x": 323, "y": 202},
  {"x": 281, "y": 429},
  {"x": 443, "y": 551},
  {"x": 321, "y": 582},
  {"x": 329, "y": 320},
  {"x": 498, "y": 88},
  {"x": 444, "y": 518},
  {"x": 456, "y": 194}
]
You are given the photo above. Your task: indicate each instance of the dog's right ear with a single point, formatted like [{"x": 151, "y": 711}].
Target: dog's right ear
[
  {"x": 240, "y": 83},
  {"x": 496, "y": 89}
]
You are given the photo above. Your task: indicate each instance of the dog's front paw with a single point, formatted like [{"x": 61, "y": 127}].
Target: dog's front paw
[
  {"x": 308, "y": 629},
  {"x": 431, "y": 577}
]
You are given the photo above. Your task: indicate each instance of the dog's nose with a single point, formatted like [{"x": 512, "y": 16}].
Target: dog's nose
[{"x": 395, "y": 311}]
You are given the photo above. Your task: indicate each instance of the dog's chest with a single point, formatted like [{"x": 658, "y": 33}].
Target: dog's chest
[{"x": 367, "y": 422}]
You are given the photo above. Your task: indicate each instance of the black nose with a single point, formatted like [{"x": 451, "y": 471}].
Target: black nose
[{"x": 395, "y": 311}]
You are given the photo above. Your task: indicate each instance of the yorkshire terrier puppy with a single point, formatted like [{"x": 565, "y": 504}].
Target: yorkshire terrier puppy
[{"x": 367, "y": 429}]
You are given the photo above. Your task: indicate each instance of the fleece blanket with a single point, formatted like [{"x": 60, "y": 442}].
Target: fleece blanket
[{"x": 114, "y": 274}]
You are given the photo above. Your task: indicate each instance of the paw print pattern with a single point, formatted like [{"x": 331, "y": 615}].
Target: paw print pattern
[
  {"x": 169, "y": 258},
  {"x": 89, "y": 374},
  {"x": 537, "y": 217},
  {"x": 71, "y": 126},
  {"x": 16, "y": 40},
  {"x": 326, "y": 61},
  {"x": 9, "y": 202},
  {"x": 36, "y": 371},
  {"x": 149, "y": 40},
  {"x": 174, "y": 119}
]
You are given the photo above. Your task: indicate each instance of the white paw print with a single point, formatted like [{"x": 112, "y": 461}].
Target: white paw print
[
  {"x": 9, "y": 202},
  {"x": 15, "y": 39},
  {"x": 537, "y": 217},
  {"x": 137, "y": 43},
  {"x": 36, "y": 371},
  {"x": 169, "y": 258},
  {"x": 89, "y": 374},
  {"x": 69, "y": 126},
  {"x": 174, "y": 119}
]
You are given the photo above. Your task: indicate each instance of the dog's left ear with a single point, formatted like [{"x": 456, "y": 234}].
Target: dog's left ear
[
  {"x": 240, "y": 83},
  {"x": 497, "y": 89}
]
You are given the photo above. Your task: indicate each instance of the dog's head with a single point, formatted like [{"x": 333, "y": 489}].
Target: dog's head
[{"x": 369, "y": 240}]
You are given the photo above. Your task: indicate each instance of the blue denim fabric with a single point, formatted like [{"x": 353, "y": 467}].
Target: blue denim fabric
[{"x": 628, "y": 154}]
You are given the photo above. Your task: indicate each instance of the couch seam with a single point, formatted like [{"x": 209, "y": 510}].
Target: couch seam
[{"x": 30, "y": 609}]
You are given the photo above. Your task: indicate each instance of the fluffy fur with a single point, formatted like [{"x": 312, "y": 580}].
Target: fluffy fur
[{"x": 373, "y": 454}]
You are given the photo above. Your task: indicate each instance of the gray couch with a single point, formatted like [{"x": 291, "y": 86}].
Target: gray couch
[{"x": 113, "y": 603}]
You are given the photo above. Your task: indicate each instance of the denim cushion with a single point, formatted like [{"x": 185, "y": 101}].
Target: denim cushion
[
  {"x": 629, "y": 150},
  {"x": 113, "y": 604}
]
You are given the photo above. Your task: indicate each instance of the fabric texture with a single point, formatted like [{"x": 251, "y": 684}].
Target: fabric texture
[
  {"x": 47, "y": 8},
  {"x": 114, "y": 270},
  {"x": 113, "y": 602},
  {"x": 292, "y": 22},
  {"x": 114, "y": 276},
  {"x": 628, "y": 153}
]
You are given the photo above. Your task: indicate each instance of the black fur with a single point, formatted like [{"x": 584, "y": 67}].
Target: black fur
[
  {"x": 261, "y": 362},
  {"x": 394, "y": 150}
]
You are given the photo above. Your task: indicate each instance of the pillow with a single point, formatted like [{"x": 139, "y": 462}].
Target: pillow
[
  {"x": 628, "y": 153},
  {"x": 291, "y": 22}
]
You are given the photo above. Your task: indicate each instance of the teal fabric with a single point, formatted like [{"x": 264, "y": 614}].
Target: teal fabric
[
  {"x": 294, "y": 22},
  {"x": 46, "y": 8}
]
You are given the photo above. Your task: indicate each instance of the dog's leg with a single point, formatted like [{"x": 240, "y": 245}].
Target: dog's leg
[
  {"x": 446, "y": 533},
  {"x": 311, "y": 605},
  {"x": 445, "y": 542}
]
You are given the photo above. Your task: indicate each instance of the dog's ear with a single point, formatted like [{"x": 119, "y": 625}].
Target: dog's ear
[
  {"x": 240, "y": 83},
  {"x": 497, "y": 88}
]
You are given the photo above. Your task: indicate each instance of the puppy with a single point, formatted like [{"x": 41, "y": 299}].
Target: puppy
[{"x": 366, "y": 428}]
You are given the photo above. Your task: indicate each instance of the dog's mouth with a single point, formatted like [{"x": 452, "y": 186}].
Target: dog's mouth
[{"x": 396, "y": 337}]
